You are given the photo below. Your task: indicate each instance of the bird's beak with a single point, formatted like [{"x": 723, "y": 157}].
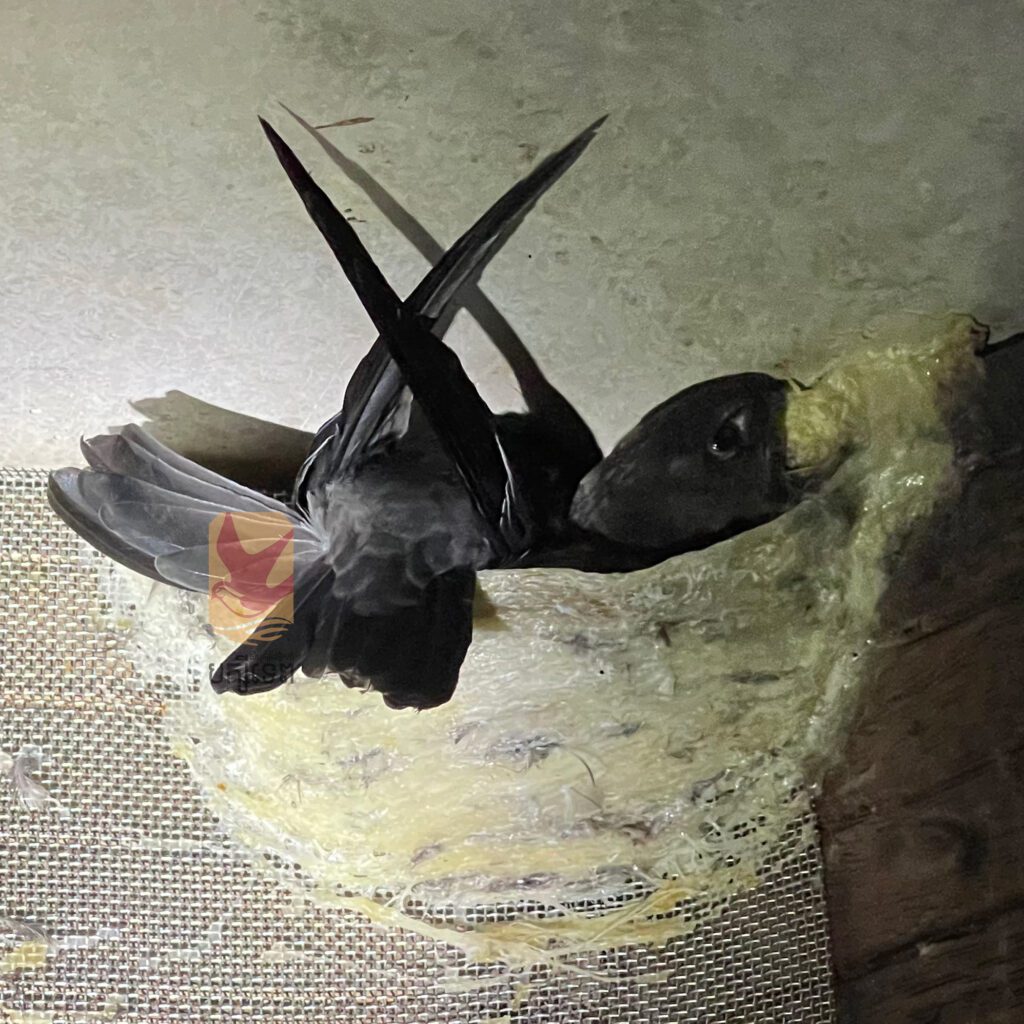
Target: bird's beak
[
  {"x": 820, "y": 430},
  {"x": 914, "y": 361}
]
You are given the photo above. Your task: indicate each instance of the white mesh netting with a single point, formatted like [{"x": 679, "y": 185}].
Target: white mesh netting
[{"x": 120, "y": 895}]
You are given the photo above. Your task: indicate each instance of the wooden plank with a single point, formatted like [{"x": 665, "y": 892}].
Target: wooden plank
[
  {"x": 976, "y": 976},
  {"x": 923, "y": 815}
]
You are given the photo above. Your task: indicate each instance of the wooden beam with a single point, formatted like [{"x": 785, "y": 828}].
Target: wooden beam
[{"x": 923, "y": 815}]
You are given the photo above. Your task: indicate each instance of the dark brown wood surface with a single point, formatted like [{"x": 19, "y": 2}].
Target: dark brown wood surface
[{"x": 923, "y": 815}]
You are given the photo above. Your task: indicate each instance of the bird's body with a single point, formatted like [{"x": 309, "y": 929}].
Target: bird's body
[
  {"x": 394, "y": 523},
  {"x": 415, "y": 484}
]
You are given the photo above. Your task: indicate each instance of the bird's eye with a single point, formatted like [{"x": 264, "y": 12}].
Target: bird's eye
[{"x": 731, "y": 436}]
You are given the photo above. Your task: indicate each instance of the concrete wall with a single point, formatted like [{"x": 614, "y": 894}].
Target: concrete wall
[{"x": 770, "y": 172}]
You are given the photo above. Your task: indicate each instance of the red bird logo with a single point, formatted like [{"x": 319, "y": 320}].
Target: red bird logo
[{"x": 252, "y": 579}]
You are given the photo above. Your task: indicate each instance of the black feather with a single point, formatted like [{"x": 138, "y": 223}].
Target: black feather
[{"x": 376, "y": 383}]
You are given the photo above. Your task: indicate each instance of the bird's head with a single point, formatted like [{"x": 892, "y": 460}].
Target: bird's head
[{"x": 704, "y": 465}]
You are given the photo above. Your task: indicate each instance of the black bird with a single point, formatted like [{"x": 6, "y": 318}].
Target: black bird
[{"x": 415, "y": 484}]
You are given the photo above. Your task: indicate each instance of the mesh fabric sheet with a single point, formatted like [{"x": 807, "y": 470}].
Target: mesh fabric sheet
[{"x": 146, "y": 912}]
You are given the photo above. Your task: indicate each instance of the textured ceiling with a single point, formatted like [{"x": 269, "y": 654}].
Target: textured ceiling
[{"x": 769, "y": 172}]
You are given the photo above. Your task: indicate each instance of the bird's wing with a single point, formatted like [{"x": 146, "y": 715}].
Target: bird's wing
[
  {"x": 410, "y": 654},
  {"x": 377, "y": 385},
  {"x": 451, "y": 404}
]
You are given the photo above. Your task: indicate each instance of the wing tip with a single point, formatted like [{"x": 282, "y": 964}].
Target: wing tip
[
  {"x": 268, "y": 129},
  {"x": 286, "y": 157},
  {"x": 246, "y": 680}
]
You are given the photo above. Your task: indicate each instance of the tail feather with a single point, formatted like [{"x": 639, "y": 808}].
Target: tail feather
[
  {"x": 134, "y": 454},
  {"x": 67, "y": 501},
  {"x": 145, "y": 506},
  {"x": 189, "y": 475},
  {"x": 177, "y": 525},
  {"x": 163, "y": 519},
  {"x": 190, "y": 568}
]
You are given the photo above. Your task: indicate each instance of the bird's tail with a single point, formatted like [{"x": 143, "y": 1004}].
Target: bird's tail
[{"x": 177, "y": 522}]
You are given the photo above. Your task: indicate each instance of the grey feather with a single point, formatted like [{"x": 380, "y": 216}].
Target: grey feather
[{"x": 133, "y": 453}]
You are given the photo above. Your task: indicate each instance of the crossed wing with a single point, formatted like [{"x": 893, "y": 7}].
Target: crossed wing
[{"x": 409, "y": 353}]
